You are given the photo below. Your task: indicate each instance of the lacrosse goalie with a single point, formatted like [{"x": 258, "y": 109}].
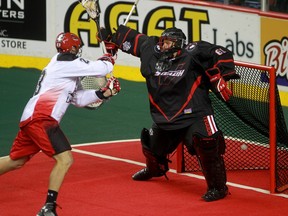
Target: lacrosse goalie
[{"x": 58, "y": 86}]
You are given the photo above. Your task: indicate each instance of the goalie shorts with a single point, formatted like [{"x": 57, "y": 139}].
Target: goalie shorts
[
  {"x": 39, "y": 134},
  {"x": 164, "y": 142}
]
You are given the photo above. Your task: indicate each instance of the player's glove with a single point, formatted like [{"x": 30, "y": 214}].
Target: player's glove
[
  {"x": 107, "y": 57},
  {"x": 219, "y": 85},
  {"x": 111, "y": 88},
  {"x": 111, "y": 47}
]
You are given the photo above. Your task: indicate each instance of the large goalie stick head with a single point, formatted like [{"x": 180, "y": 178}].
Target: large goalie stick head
[{"x": 92, "y": 8}]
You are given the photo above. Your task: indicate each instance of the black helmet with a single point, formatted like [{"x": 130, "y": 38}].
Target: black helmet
[{"x": 173, "y": 34}]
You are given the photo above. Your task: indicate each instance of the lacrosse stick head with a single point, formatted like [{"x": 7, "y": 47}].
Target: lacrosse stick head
[
  {"x": 92, "y": 8},
  {"x": 93, "y": 83}
]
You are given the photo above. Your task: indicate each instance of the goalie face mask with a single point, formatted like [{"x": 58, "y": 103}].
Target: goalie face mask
[
  {"x": 68, "y": 42},
  {"x": 174, "y": 37}
]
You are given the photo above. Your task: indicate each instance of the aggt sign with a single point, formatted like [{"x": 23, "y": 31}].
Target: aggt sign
[{"x": 154, "y": 23}]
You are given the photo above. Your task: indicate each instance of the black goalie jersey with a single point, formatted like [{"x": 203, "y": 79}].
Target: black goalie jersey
[{"x": 179, "y": 94}]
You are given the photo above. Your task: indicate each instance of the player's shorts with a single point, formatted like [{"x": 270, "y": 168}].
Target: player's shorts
[{"x": 39, "y": 135}]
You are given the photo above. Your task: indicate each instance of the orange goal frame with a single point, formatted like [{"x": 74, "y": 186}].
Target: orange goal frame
[{"x": 272, "y": 124}]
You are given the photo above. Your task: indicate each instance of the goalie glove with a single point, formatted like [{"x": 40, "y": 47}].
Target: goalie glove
[
  {"x": 106, "y": 36},
  {"x": 218, "y": 83},
  {"x": 107, "y": 57},
  {"x": 111, "y": 88}
]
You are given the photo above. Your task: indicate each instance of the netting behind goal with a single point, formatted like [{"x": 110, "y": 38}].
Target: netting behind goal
[{"x": 253, "y": 125}]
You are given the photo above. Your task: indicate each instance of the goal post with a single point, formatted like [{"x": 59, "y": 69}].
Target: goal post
[{"x": 253, "y": 125}]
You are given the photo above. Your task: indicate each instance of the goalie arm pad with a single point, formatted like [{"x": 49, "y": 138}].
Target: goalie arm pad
[
  {"x": 129, "y": 40},
  {"x": 211, "y": 56},
  {"x": 224, "y": 61}
]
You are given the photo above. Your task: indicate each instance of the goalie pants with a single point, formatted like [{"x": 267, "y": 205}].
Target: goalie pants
[
  {"x": 202, "y": 139},
  {"x": 163, "y": 142}
]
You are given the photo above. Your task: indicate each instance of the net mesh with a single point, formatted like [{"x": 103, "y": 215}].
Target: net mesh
[{"x": 245, "y": 124}]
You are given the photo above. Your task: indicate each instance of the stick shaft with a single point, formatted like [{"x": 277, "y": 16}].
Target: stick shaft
[
  {"x": 130, "y": 13},
  {"x": 102, "y": 43}
]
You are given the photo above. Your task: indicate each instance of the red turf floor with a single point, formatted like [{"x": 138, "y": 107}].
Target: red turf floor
[{"x": 103, "y": 186}]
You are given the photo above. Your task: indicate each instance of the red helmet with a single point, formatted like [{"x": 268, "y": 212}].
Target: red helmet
[{"x": 66, "y": 41}]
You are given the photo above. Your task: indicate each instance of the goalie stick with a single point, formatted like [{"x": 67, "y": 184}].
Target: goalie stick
[
  {"x": 130, "y": 13},
  {"x": 93, "y": 10}
]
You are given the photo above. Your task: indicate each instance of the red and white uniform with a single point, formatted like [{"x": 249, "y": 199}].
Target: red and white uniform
[
  {"x": 59, "y": 80},
  {"x": 58, "y": 86}
]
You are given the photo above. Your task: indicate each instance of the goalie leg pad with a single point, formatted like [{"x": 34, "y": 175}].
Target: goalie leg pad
[
  {"x": 210, "y": 152},
  {"x": 156, "y": 166}
]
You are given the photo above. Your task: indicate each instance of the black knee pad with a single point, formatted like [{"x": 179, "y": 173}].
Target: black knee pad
[
  {"x": 156, "y": 164},
  {"x": 214, "y": 144},
  {"x": 210, "y": 152}
]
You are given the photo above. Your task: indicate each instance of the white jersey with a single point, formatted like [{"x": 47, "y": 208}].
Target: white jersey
[{"x": 58, "y": 83}]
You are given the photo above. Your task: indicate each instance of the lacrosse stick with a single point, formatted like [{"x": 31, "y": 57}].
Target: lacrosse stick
[
  {"x": 93, "y": 10},
  {"x": 130, "y": 13}
]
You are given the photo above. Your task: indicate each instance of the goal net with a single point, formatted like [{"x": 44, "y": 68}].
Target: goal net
[{"x": 253, "y": 125}]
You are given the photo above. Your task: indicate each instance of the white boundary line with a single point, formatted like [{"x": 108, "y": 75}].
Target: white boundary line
[
  {"x": 104, "y": 142},
  {"x": 259, "y": 190}
]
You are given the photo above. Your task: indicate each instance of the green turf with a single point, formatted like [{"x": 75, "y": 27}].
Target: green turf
[{"x": 122, "y": 117}]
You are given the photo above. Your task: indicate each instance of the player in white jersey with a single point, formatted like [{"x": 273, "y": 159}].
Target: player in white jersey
[{"x": 58, "y": 86}]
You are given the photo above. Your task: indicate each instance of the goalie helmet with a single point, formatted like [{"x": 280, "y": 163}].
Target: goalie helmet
[
  {"x": 68, "y": 42},
  {"x": 176, "y": 36}
]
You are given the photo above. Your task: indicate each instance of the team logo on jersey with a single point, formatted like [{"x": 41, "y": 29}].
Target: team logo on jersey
[
  {"x": 170, "y": 76},
  {"x": 191, "y": 46},
  {"x": 177, "y": 73},
  {"x": 220, "y": 51},
  {"x": 126, "y": 46}
]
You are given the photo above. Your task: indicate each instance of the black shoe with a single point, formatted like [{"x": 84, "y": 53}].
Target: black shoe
[
  {"x": 49, "y": 209},
  {"x": 214, "y": 194},
  {"x": 142, "y": 175}
]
